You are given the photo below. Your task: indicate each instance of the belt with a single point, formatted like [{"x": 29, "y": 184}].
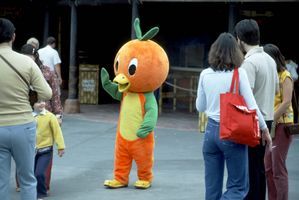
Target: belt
[{"x": 42, "y": 150}]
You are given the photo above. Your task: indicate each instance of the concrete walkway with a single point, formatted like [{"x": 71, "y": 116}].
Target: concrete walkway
[{"x": 178, "y": 168}]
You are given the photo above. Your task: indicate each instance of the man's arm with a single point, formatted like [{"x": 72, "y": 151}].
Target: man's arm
[{"x": 58, "y": 72}]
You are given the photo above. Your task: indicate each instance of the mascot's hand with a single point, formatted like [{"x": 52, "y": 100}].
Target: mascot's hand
[
  {"x": 142, "y": 134},
  {"x": 104, "y": 76}
]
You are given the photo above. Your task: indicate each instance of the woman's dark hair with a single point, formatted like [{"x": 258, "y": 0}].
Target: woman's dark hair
[
  {"x": 7, "y": 30},
  {"x": 275, "y": 53},
  {"x": 225, "y": 53},
  {"x": 248, "y": 31},
  {"x": 28, "y": 49}
]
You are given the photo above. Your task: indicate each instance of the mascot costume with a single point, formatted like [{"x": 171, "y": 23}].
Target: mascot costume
[{"x": 140, "y": 67}]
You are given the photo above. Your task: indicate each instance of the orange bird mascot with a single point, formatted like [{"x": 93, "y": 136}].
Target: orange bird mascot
[{"x": 140, "y": 66}]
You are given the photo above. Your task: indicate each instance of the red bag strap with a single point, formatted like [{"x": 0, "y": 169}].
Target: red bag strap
[{"x": 235, "y": 81}]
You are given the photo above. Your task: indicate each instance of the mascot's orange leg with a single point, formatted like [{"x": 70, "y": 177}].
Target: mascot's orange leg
[
  {"x": 123, "y": 161},
  {"x": 122, "y": 165},
  {"x": 142, "y": 151}
]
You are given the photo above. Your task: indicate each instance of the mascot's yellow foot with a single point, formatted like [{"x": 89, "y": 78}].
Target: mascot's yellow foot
[
  {"x": 142, "y": 184},
  {"x": 114, "y": 184}
]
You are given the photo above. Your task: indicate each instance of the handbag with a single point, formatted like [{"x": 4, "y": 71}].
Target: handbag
[
  {"x": 238, "y": 123},
  {"x": 33, "y": 98},
  {"x": 291, "y": 129}
]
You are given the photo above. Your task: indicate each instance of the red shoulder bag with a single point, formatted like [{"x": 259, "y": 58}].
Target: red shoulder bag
[{"x": 238, "y": 123}]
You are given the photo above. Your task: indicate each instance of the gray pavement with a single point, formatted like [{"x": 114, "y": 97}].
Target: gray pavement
[{"x": 178, "y": 167}]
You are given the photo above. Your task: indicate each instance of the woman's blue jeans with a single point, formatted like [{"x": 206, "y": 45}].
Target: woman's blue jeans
[
  {"x": 18, "y": 142},
  {"x": 217, "y": 153}
]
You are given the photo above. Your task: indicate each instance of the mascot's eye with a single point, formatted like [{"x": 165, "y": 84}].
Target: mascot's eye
[
  {"x": 133, "y": 66},
  {"x": 116, "y": 64}
]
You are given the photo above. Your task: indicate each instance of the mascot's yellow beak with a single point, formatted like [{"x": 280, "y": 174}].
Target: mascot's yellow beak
[{"x": 122, "y": 81}]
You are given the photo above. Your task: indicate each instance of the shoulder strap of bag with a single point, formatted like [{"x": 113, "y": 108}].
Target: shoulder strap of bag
[
  {"x": 9, "y": 64},
  {"x": 235, "y": 81}
]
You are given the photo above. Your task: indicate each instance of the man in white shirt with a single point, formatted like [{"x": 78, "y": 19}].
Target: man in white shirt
[
  {"x": 263, "y": 79},
  {"x": 50, "y": 57}
]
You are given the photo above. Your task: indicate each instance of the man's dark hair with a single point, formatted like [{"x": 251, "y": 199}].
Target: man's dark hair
[
  {"x": 51, "y": 40},
  {"x": 7, "y": 30},
  {"x": 248, "y": 31},
  {"x": 225, "y": 53}
]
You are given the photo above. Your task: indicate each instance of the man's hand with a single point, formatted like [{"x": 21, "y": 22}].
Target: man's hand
[
  {"x": 59, "y": 80},
  {"x": 267, "y": 137}
]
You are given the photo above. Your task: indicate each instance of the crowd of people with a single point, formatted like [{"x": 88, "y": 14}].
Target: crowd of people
[
  {"x": 28, "y": 134},
  {"x": 266, "y": 83},
  {"x": 267, "y": 86}
]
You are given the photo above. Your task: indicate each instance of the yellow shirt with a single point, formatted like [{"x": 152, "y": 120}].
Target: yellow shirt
[
  {"x": 288, "y": 117},
  {"x": 48, "y": 131}
]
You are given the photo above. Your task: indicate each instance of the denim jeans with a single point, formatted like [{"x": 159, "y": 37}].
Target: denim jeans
[
  {"x": 217, "y": 153},
  {"x": 43, "y": 163},
  {"x": 18, "y": 141}
]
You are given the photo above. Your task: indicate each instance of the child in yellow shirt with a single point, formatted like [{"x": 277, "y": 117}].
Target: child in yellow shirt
[{"x": 48, "y": 132}]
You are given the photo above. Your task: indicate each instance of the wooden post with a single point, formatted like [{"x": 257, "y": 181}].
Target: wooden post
[{"x": 72, "y": 104}]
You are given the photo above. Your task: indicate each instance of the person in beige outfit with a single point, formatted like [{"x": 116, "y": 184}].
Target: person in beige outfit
[{"x": 17, "y": 124}]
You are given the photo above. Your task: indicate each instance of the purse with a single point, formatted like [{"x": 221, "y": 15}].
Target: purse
[
  {"x": 33, "y": 98},
  {"x": 291, "y": 129},
  {"x": 238, "y": 123}
]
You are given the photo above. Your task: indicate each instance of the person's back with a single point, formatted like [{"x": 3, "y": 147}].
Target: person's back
[
  {"x": 224, "y": 57},
  {"x": 263, "y": 79},
  {"x": 54, "y": 104},
  {"x": 262, "y": 75},
  {"x": 19, "y": 96},
  {"x": 275, "y": 161},
  {"x": 49, "y": 56},
  {"x": 14, "y": 103},
  {"x": 17, "y": 125}
]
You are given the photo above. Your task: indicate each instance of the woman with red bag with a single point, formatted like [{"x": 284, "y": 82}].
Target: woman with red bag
[
  {"x": 224, "y": 56},
  {"x": 275, "y": 160}
]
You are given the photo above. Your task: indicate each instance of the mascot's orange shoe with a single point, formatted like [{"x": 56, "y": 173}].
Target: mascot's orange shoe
[
  {"x": 114, "y": 184},
  {"x": 142, "y": 184}
]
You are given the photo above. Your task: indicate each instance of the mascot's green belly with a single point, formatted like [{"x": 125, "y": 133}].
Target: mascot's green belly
[{"x": 130, "y": 116}]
